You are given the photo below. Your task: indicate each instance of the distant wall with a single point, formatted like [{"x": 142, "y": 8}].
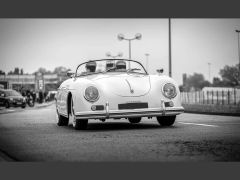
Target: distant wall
[{"x": 212, "y": 109}]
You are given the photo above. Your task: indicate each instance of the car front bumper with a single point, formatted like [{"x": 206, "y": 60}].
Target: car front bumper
[{"x": 127, "y": 113}]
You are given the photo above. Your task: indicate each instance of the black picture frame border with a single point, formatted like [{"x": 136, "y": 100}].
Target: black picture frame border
[{"x": 119, "y": 9}]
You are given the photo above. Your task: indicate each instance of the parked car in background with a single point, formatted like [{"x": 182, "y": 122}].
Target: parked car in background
[
  {"x": 116, "y": 88},
  {"x": 11, "y": 98},
  {"x": 51, "y": 95}
]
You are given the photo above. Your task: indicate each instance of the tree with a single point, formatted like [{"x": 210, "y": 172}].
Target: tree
[
  {"x": 16, "y": 71},
  {"x": 230, "y": 75},
  {"x": 2, "y": 72},
  {"x": 60, "y": 70},
  {"x": 10, "y": 72},
  {"x": 195, "y": 81},
  {"x": 43, "y": 71},
  {"x": 21, "y": 71}
]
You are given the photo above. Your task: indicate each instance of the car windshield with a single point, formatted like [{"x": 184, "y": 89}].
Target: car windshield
[
  {"x": 110, "y": 65},
  {"x": 12, "y": 93}
]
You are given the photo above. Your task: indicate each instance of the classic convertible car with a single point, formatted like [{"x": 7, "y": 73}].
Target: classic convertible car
[{"x": 116, "y": 88}]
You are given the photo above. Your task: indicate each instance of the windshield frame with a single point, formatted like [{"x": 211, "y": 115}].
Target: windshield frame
[{"x": 75, "y": 75}]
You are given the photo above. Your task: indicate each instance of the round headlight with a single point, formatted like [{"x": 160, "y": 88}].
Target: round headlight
[
  {"x": 169, "y": 90},
  {"x": 91, "y": 94}
]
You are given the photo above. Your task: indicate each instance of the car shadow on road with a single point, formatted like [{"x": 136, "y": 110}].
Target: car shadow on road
[{"x": 111, "y": 126}]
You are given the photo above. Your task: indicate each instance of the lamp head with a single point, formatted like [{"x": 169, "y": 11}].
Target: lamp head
[
  {"x": 138, "y": 36},
  {"x": 120, "y": 37}
]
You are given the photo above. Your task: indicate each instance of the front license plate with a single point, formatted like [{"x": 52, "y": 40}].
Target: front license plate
[{"x": 133, "y": 106}]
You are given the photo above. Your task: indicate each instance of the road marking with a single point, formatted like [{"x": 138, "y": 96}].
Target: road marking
[{"x": 197, "y": 124}]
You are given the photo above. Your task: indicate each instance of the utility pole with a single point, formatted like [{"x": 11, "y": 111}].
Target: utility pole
[
  {"x": 209, "y": 71},
  {"x": 147, "y": 55},
  {"x": 238, "y": 31},
  {"x": 170, "y": 51}
]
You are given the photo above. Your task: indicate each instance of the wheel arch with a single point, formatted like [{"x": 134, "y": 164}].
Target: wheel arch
[{"x": 69, "y": 98}]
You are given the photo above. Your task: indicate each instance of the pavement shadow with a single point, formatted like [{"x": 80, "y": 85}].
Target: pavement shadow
[{"x": 111, "y": 126}]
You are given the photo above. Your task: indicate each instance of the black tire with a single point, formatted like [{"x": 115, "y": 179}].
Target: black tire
[
  {"x": 134, "y": 120},
  {"x": 81, "y": 124},
  {"x": 62, "y": 121},
  {"x": 7, "y": 104},
  {"x": 31, "y": 104},
  {"x": 23, "y": 106},
  {"x": 166, "y": 120}
]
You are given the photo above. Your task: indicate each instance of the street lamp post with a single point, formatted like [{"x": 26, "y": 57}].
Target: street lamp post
[
  {"x": 238, "y": 31},
  {"x": 147, "y": 55},
  {"x": 209, "y": 71},
  {"x": 170, "y": 48},
  {"x": 121, "y": 37}
]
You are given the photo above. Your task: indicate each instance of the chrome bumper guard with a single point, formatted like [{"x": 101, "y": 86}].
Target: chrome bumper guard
[{"x": 146, "y": 112}]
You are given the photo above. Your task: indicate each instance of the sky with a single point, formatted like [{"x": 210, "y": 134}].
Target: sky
[{"x": 48, "y": 43}]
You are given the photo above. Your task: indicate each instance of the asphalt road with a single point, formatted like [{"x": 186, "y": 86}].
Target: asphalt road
[{"x": 32, "y": 135}]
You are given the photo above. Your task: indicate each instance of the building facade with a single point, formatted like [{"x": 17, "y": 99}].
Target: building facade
[{"x": 37, "y": 82}]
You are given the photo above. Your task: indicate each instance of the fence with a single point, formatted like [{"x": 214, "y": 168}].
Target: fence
[{"x": 212, "y": 97}]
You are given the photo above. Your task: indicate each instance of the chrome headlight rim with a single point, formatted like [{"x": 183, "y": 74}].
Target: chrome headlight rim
[
  {"x": 175, "y": 90},
  {"x": 88, "y": 99}
]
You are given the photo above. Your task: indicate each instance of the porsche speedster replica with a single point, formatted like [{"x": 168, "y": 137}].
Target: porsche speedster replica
[{"x": 116, "y": 88}]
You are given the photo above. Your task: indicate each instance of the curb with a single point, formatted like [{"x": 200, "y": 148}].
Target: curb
[{"x": 44, "y": 105}]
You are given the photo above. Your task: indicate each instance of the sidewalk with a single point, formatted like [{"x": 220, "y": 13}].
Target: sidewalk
[{"x": 4, "y": 110}]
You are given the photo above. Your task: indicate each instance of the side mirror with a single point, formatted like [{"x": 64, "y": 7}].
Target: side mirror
[
  {"x": 70, "y": 74},
  {"x": 159, "y": 71}
]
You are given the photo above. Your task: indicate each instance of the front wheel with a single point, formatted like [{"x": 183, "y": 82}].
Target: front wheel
[
  {"x": 78, "y": 124},
  {"x": 166, "y": 120},
  {"x": 134, "y": 120}
]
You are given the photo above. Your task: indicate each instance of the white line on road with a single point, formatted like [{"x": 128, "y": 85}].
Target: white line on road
[{"x": 199, "y": 124}]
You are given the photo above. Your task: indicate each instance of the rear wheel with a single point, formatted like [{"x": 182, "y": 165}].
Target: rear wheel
[
  {"x": 134, "y": 120},
  {"x": 30, "y": 103},
  {"x": 62, "y": 121},
  {"x": 166, "y": 120}
]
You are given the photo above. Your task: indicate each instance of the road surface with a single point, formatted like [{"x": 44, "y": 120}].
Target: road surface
[{"x": 32, "y": 135}]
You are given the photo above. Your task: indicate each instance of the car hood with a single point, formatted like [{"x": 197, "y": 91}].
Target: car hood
[
  {"x": 125, "y": 85},
  {"x": 15, "y": 97}
]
